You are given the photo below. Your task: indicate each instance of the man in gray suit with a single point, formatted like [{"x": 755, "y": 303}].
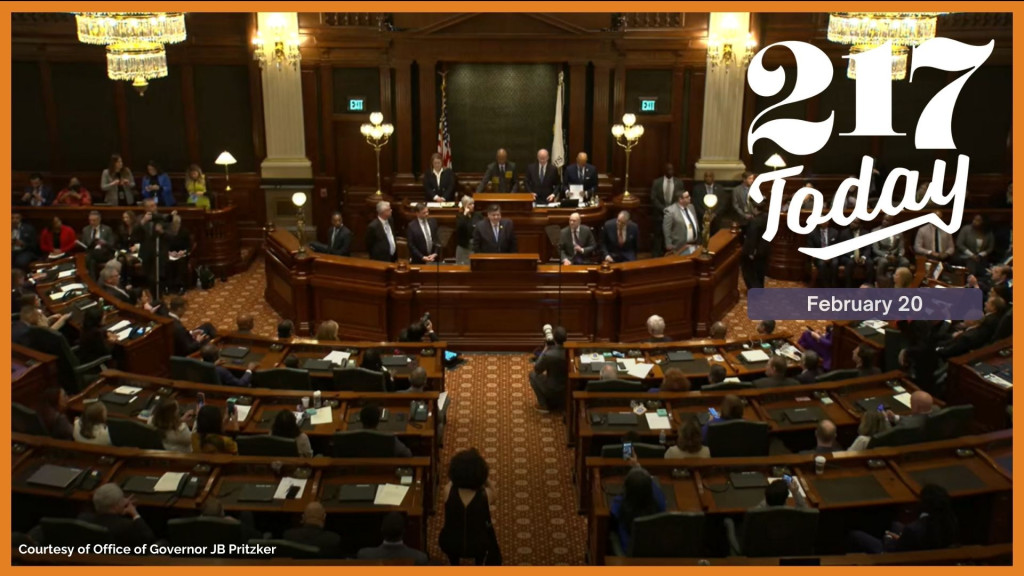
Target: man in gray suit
[
  {"x": 740, "y": 199},
  {"x": 500, "y": 174},
  {"x": 393, "y": 548},
  {"x": 934, "y": 243},
  {"x": 99, "y": 241},
  {"x": 681, "y": 226},
  {"x": 663, "y": 195},
  {"x": 974, "y": 245},
  {"x": 888, "y": 251},
  {"x": 576, "y": 243}
]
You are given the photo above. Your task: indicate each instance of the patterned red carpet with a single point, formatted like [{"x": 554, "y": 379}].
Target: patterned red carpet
[{"x": 492, "y": 410}]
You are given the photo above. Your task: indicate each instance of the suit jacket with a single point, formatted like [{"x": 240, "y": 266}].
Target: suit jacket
[
  {"x": 809, "y": 376},
  {"x": 673, "y": 225},
  {"x": 342, "y": 245},
  {"x": 924, "y": 242},
  {"x": 328, "y": 542},
  {"x": 418, "y": 248},
  {"x": 847, "y": 234},
  {"x": 107, "y": 237},
  {"x": 888, "y": 246},
  {"x": 445, "y": 188},
  {"x": 184, "y": 343},
  {"x": 118, "y": 292},
  {"x": 29, "y": 238},
  {"x": 967, "y": 242},
  {"x": 588, "y": 178},
  {"x": 377, "y": 241},
  {"x": 123, "y": 530},
  {"x": 814, "y": 240},
  {"x": 658, "y": 202},
  {"x": 227, "y": 378},
  {"x": 753, "y": 243},
  {"x": 610, "y": 239},
  {"x": 775, "y": 382},
  {"x": 550, "y": 184},
  {"x": 568, "y": 249},
  {"x": 739, "y": 200},
  {"x": 552, "y": 364},
  {"x": 45, "y": 191},
  {"x": 507, "y": 181},
  {"x": 483, "y": 238},
  {"x": 394, "y": 551}
]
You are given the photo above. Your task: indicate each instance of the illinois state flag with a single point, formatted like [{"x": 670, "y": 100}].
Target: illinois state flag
[{"x": 558, "y": 145}]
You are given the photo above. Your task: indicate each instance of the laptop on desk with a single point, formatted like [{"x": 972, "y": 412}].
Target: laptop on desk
[
  {"x": 257, "y": 493},
  {"x": 54, "y": 476},
  {"x": 357, "y": 493}
]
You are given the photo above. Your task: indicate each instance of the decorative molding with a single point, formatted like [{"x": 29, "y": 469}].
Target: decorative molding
[
  {"x": 355, "y": 19},
  {"x": 648, "y": 20}
]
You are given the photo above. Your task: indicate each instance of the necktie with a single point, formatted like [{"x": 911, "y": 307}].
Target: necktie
[
  {"x": 542, "y": 172},
  {"x": 96, "y": 233},
  {"x": 575, "y": 238},
  {"x": 334, "y": 232},
  {"x": 691, "y": 231},
  {"x": 501, "y": 168},
  {"x": 938, "y": 248},
  {"x": 824, "y": 238},
  {"x": 622, "y": 236},
  {"x": 391, "y": 239},
  {"x": 496, "y": 230},
  {"x": 668, "y": 190},
  {"x": 426, "y": 234}
]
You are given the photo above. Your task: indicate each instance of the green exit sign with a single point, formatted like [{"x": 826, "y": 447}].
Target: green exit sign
[
  {"x": 648, "y": 105},
  {"x": 356, "y": 104}
]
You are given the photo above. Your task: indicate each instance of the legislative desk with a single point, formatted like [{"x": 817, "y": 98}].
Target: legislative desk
[
  {"x": 259, "y": 406},
  {"x": 857, "y": 490},
  {"x": 503, "y": 307},
  {"x": 994, "y": 554},
  {"x": 975, "y": 378},
  {"x": 270, "y": 353},
  {"x": 835, "y": 401},
  {"x": 214, "y": 232},
  {"x": 221, "y": 476},
  {"x": 148, "y": 353},
  {"x": 705, "y": 353},
  {"x": 31, "y": 373},
  {"x": 530, "y": 222}
]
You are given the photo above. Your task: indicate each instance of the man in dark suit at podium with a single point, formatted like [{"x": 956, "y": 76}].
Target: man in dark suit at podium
[
  {"x": 494, "y": 235},
  {"x": 500, "y": 174},
  {"x": 422, "y": 236},
  {"x": 583, "y": 174},
  {"x": 339, "y": 239},
  {"x": 619, "y": 237},
  {"x": 542, "y": 180}
]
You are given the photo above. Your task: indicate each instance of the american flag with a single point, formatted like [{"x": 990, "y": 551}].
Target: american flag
[{"x": 444, "y": 141}]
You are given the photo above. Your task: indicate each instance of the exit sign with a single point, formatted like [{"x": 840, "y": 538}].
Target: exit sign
[
  {"x": 356, "y": 104},
  {"x": 648, "y": 105}
]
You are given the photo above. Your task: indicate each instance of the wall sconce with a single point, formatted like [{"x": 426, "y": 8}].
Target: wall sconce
[
  {"x": 627, "y": 135},
  {"x": 775, "y": 162},
  {"x": 729, "y": 42},
  {"x": 377, "y": 136},
  {"x": 299, "y": 200},
  {"x": 710, "y": 201},
  {"x": 277, "y": 40}
]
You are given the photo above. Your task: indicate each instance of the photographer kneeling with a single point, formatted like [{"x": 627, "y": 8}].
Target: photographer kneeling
[
  {"x": 416, "y": 332},
  {"x": 550, "y": 374}
]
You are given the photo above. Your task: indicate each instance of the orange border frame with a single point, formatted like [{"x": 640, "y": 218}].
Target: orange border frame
[{"x": 1016, "y": 8}]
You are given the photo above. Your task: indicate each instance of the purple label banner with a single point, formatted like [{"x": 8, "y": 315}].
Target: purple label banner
[{"x": 864, "y": 304}]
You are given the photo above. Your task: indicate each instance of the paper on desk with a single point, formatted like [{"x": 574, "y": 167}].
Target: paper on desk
[
  {"x": 799, "y": 485},
  {"x": 286, "y": 483},
  {"x": 640, "y": 370},
  {"x": 754, "y": 356},
  {"x": 243, "y": 412},
  {"x": 168, "y": 482},
  {"x": 120, "y": 326},
  {"x": 66, "y": 273},
  {"x": 72, "y": 286},
  {"x": 627, "y": 362},
  {"x": 575, "y": 190},
  {"x": 323, "y": 416},
  {"x": 876, "y": 324},
  {"x": 124, "y": 333},
  {"x": 655, "y": 422},
  {"x": 390, "y": 495},
  {"x": 442, "y": 400},
  {"x": 337, "y": 357},
  {"x": 127, "y": 390},
  {"x": 588, "y": 358},
  {"x": 903, "y": 399},
  {"x": 998, "y": 381},
  {"x": 434, "y": 204},
  {"x": 790, "y": 351},
  {"x": 735, "y": 379}
]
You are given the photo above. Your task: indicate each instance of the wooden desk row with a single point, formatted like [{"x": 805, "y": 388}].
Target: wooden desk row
[
  {"x": 994, "y": 554},
  {"x": 705, "y": 353},
  {"x": 854, "y": 485},
  {"x": 215, "y": 232},
  {"x": 222, "y": 476},
  {"x": 271, "y": 352},
  {"x": 31, "y": 373},
  {"x": 264, "y": 404},
  {"x": 966, "y": 384},
  {"x": 835, "y": 401},
  {"x": 502, "y": 308},
  {"x": 146, "y": 354}
]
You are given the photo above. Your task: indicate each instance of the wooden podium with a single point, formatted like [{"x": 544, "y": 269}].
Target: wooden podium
[
  {"x": 510, "y": 203},
  {"x": 503, "y": 262}
]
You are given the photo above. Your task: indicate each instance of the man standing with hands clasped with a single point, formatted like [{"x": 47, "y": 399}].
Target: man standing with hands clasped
[
  {"x": 422, "y": 236},
  {"x": 681, "y": 226},
  {"x": 577, "y": 242}
]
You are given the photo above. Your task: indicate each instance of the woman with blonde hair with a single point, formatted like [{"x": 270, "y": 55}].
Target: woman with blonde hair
[
  {"x": 117, "y": 183},
  {"x": 195, "y": 187},
  {"x": 327, "y": 331},
  {"x": 91, "y": 426},
  {"x": 872, "y": 423},
  {"x": 464, "y": 222}
]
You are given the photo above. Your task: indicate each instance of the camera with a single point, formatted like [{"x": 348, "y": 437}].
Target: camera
[
  {"x": 549, "y": 335},
  {"x": 425, "y": 319}
]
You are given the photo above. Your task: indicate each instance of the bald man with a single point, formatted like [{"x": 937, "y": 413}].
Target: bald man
[
  {"x": 825, "y": 434},
  {"x": 542, "y": 180},
  {"x": 312, "y": 532},
  {"x": 921, "y": 406},
  {"x": 577, "y": 243},
  {"x": 500, "y": 174},
  {"x": 583, "y": 174}
]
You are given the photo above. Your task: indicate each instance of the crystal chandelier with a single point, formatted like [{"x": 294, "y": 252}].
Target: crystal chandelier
[
  {"x": 106, "y": 28},
  {"x": 277, "y": 42},
  {"x": 137, "y": 62},
  {"x": 867, "y": 30},
  {"x": 728, "y": 43}
]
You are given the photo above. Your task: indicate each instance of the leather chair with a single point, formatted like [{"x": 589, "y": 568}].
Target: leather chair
[
  {"x": 282, "y": 379},
  {"x": 72, "y": 532},
  {"x": 737, "y": 438},
  {"x": 775, "y": 531},
  {"x": 134, "y": 434},
  {"x": 358, "y": 380},
  {"x": 950, "y": 422},
  {"x": 267, "y": 445},
  {"x": 664, "y": 535},
  {"x": 898, "y": 436},
  {"x": 363, "y": 444},
  {"x": 27, "y": 421},
  {"x": 193, "y": 370}
]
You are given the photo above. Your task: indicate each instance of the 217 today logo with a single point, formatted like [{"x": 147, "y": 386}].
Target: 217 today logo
[{"x": 874, "y": 118}]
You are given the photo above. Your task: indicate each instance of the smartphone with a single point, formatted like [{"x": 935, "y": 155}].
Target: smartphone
[
  {"x": 881, "y": 407},
  {"x": 713, "y": 412},
  {"x": 627, "y": 450},
  {"x": 787, "y": 478},
  {"x": 231, "y": 406},
  {"x": 200, "y": 400}
]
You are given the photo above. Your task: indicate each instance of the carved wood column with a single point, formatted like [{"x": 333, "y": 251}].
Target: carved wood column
[
  {"x": 403, "y": 116},
  {"x": 577, "y": 109},
  {"x": 282, "y": 115},
  {"x": 428, "y": 111},
  {"x": 601, "y": 108}
]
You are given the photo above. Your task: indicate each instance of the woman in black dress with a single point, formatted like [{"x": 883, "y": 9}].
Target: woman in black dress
[
  {"x": 464, "y": 222},
  {"x": 467, "y": 531}
]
